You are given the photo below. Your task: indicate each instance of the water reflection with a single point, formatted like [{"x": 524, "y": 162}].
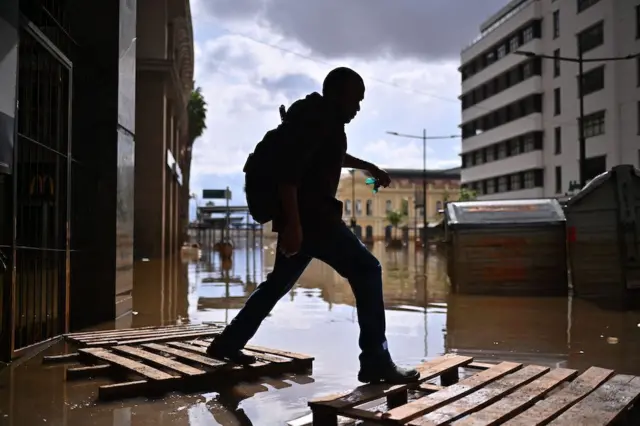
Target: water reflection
[{"x": 318, "y": 317}]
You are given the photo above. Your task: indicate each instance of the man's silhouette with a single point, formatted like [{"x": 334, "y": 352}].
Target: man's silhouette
[{"x": 313, "y": 150}]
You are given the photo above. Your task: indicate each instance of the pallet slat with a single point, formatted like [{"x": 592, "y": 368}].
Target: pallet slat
[
  {"x": 482, "y": 397},
  {"x": 144, "y": 334},
  {"x": 554, "y": 405},
  {"x": 189, "y": 356},
  {"x": 366, "y": 393},
  {"x": 519, "y": 400},
  {"x": 159, "y": 360},
  {"x": 164, "y": 337},
  {"x": 128, "y": 364},
  {"x": 436, "y": 400},
  {"x": 604, "y": 405}
]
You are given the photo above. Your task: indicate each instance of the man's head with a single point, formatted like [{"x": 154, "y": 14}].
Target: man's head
[{"x": 344, "y": 88}]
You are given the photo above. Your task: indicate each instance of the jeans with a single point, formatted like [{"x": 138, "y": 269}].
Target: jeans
[{"x": 344, "y": 252}]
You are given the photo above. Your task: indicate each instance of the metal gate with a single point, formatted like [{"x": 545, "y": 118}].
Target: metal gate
[{"x": 41, "y": 190}]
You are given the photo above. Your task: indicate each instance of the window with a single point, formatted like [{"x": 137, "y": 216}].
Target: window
[
  {"x": 514, "y": 147},
  {"x": 515, "y": 182},
  {"x": 491, "y": 154},
  {"x": 638, "y": 71},
  {"x": 558, "y": 180},
  {"x": 491, "y": 186},
  {"x": 585, "y": 4},
  {"x": 527, "y": 70},
  {"x": 595, "y": 166},
  {"x": 527, "y": 35},
  {"x": 529, "y": 143},
  {"x": 438, "y": 206},
  {"x": 347, "y": 207},
  {"x": 557, "y": 104},
  {"x": 557, "y": 140},
  {"x": 502, "y": 184},
  {"x": 591, "y": 38},
  {"x": 529, "y": 179},
  {"x": 502, "y": 51},
  {"x": 502, "y": 151},
  {"x": 556, "y": 24},
  {"x": 359, "y": 207},
  {"x": 369, "y": 208},
  {"x": 514, "y": 43},
  {"x": 638, "y": 117},
  {"x": 593, "y": 124},
  {"x": 405, "y": 207},
  {"x": 388, "y": 206},
  {"x": 556, "y": 63},
  {"x": 592, "y": 81}
]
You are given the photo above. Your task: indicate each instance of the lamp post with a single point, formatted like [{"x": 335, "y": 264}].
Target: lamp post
[
  {"x": 580, "y": 60},
  {"x": 424, "y": 139},
  {"x": 353, "y": 200}
]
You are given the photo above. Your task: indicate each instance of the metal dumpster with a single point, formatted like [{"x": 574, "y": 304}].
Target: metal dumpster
[
  {"x": 603, "y": 225},
  {"x": 510, "y": 247}
]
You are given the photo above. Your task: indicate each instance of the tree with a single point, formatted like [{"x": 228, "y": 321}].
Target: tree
[
  {"x": 197, "y": 116},
  {"x": 395, "y": 218},
  {"x": 467, "y": 195}
]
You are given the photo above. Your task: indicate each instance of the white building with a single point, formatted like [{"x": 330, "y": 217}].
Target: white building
[{"x": 520, "y": 114}]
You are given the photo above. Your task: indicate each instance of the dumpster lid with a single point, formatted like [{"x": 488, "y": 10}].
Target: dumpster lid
[
  {"x": 600, "y": 179},
  {"x": 504, "y": 212}
]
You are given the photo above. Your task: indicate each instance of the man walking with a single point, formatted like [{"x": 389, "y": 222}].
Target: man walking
[{"x": 312, "y": 151}]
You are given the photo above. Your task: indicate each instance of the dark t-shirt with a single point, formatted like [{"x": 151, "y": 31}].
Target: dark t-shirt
[{"x": 312, "y": 147}]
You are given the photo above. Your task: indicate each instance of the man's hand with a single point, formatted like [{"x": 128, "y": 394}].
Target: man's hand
[
  {"x": 290, "y": 239},
  {"x": 380, "y": 175}
]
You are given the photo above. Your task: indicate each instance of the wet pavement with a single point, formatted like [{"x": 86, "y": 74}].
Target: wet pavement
[{"x": 318, "y": 318}]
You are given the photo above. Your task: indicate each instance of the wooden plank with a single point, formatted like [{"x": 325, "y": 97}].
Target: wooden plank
[
  {"x": 209, "y": 362},
  {"x": 481, "y": 365},
  {"x": 366, "y": 393},
  {"x": 552, "y": 406},
  {"x": 156, "y": 339},
  {"x": 128, "y": 364},
  {"x": 518, "y": 401},
  {"x": 203, "y": 350},
  {"x": 603, "y": 406},
  {"x": 88, "y": 371},
  {"x": 294, "y": 355},
  {"x": 122, "y": 390},
  {"x": 53, "y": 359},
  {"x": 482, "y": 397},
  {"x": 438, "y": 399},
  {"x": 122, "y": 330},
  {"x": 146, "y": 333},
  {"x": 159, "y": 360},
  {"x": 259, "y": 355}
]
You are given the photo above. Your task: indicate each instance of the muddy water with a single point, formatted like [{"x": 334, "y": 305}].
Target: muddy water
[{"x": 318, "y": 317}]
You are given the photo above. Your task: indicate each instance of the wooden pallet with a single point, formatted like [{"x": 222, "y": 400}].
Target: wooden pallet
[
  {"x": 135, "y": 336},
  {"x": 153, "y": 369},
  {"x": 508, "y": 393}
]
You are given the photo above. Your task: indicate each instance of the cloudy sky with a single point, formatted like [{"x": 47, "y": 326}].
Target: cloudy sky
[{"x": 254, "y": 55}]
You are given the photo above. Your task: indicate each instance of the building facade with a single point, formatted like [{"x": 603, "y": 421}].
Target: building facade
[
  {"x": 76, "y": 98},
  {"x": 404, "y": 195},
  {"x": 520, "y": 114}
]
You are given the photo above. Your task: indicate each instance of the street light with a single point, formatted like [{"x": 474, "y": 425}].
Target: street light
[
  {"x": 580, "y": 60},
  {"x": 424, "y": 138}
]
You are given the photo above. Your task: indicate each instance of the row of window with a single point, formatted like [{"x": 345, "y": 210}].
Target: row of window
[
  {"x": 504, "y": 149},
  {"x": 404, "y": 208},
  {"x": 515, "y": 110},
  {"x": 502, "y": 82},
  {"x": 506, "y": 183},
  {"x": 509, "y": 44}
]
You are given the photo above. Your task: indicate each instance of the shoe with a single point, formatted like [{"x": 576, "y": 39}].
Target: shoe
[
  {"x": 219, "y": 351},
  {"x": 387, "y": 372}
]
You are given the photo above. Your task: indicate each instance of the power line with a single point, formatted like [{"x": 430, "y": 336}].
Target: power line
[{"x": 377, "y": 80}]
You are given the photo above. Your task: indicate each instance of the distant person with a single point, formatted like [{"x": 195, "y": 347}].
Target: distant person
[{"x": 312, "y": 150}]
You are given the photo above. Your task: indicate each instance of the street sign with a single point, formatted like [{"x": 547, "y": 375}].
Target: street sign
[{"x": 216, "y": 194}]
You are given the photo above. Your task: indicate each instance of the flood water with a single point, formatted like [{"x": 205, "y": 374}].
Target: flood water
[{"x": 318, "y": 318}]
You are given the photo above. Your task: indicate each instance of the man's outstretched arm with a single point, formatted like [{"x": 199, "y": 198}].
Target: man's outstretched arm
[{"x": 352, "y": 162}]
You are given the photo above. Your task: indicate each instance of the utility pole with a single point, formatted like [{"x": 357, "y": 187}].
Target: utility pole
[
  {"x": 353, "y": 200},
  {"x": 580, "y": 60},
  {"x": 424, "y": 139}
]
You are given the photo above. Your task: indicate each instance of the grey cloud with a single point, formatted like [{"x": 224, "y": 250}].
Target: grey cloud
[
  {"x": 421, "y": 29},
  {"x": 290, "y": 85},
  {"x": 223, "y": 58}
]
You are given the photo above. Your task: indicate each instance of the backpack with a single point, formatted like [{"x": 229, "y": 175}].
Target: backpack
[{"x": 260, "y": 186}]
